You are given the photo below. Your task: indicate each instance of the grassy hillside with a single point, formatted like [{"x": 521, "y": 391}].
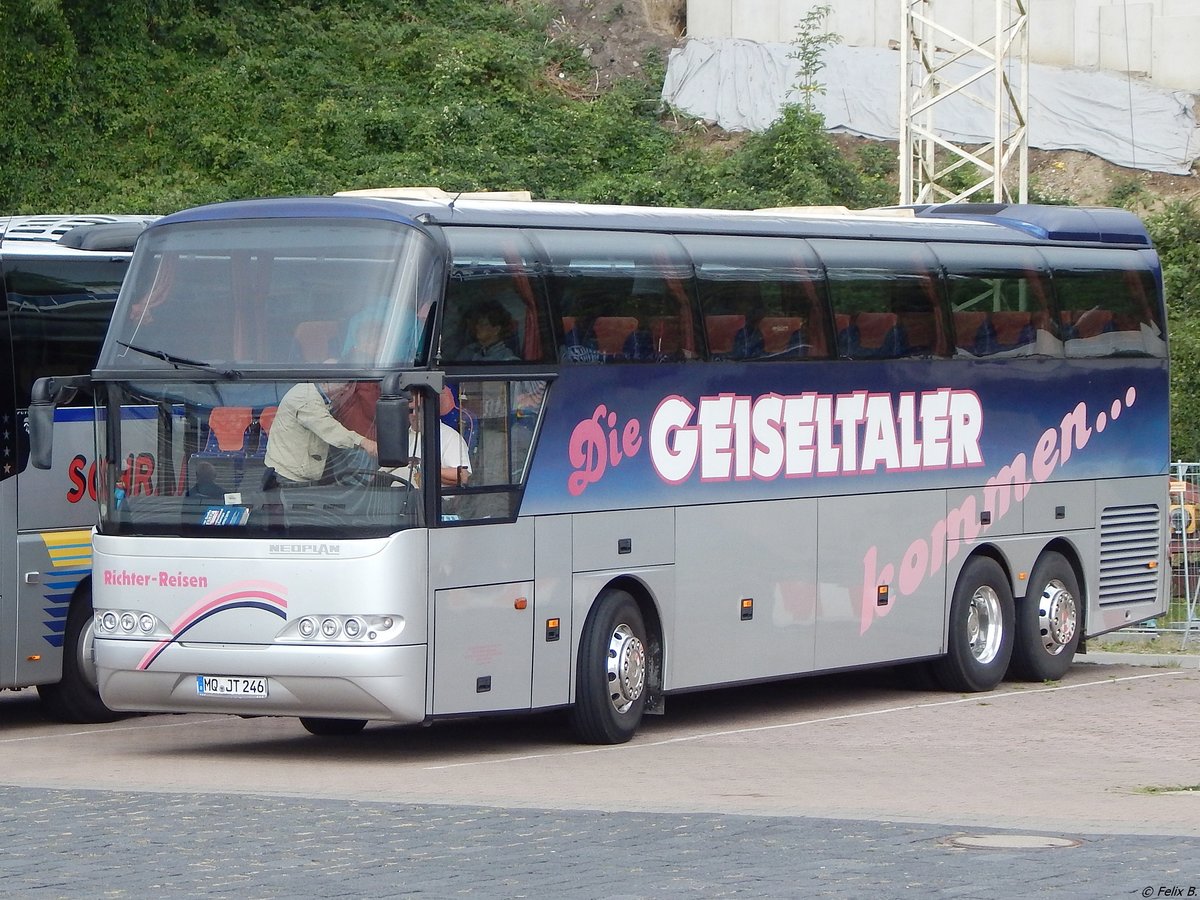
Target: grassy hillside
[{"x": 152, "y": 105}]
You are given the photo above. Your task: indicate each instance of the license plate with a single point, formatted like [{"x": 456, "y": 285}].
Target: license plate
[{"x": 231, "y": 686}]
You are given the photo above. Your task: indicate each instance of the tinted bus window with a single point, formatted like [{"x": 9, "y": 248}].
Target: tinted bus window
[
  {"x": 621, "y": 296},
  {"x": 495, "y": 308},
  {"x": 1105, "y": 303},
  {"x": 301, "y": 292},
  {"x": 59, "y": 311},
  {"x": 999, "y": 301},
  {"x": 762, "y": 298},
  {"x": 887, "y": 299}
]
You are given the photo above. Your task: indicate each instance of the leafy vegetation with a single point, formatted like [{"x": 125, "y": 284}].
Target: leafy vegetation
[
  {"x": 1176, "y": 233},
  {"x": 154, "y": 105}
]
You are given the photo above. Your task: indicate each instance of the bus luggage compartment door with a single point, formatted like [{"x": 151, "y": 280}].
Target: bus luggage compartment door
[{"x": 483, "y": 648}]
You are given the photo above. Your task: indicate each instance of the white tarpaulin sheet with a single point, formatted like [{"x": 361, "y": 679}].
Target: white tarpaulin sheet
[{"x": 741, "y": 85}]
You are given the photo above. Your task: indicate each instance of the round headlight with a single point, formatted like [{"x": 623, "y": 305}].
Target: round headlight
[
  {"x": 109, "y": 621},
  {"x": 353, "y": 627},
  {"x": 146, "y": 623},
  {"x": 128, "y": 621},
  {"x": 307, "y": 627},
  {"x": 330, "y": 627}
]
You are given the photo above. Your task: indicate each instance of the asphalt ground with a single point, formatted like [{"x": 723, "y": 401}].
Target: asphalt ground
[{"x": 839, "y": 786}]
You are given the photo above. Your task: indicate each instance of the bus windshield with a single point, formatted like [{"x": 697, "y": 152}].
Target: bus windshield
[
  {"x": 271, "y": 294},
  {"x": 222, "y": 459}
]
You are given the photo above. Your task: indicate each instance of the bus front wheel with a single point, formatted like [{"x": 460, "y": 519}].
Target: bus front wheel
[
  {"x": 332, "y": 727},
  {"x": 980, "y": 640},
  {"x": 610, "y": 692},
  {"x": 76, "y": 697},
  {"x": 1049, "y": 622}
]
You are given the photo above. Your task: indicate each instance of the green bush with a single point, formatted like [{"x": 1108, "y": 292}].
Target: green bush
[{"x": 1176, "y": 233}]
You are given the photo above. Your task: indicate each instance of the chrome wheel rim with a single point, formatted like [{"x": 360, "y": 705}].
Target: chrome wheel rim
[
  {"x": 626, "y": 668},
  {"x": 85, "y": 654},
  {"x": 985, "y": 627},
  {"x": 1058, "y": 617}
]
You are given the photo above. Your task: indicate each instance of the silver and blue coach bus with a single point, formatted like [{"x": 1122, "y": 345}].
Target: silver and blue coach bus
[
  {"x": 693, "y": 448},
  {"x": 59, "y": 278}
]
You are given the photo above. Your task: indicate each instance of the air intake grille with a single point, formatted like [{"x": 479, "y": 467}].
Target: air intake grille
[{"x": 1129, "y": 542}]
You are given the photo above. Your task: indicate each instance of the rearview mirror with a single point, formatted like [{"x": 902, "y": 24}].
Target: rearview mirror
[{"x": 47, "y": 395}]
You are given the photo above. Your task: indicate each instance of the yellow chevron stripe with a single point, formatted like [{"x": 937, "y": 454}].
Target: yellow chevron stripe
[
  {"x": 68, "y": 549},
  {"x": 66, "y": 538}
]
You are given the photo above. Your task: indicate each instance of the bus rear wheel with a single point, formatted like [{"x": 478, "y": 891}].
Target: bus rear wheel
[
  {"x": 610, "y": 691},
  {"x": 980, "y": 640},
  {"x": 1049, "y": 622},
  {"x": 332, "y": 727},
  {"x": 76, "y": 697}
]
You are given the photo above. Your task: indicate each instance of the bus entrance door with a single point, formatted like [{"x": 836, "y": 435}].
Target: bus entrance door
[{"x": 483, "y": 614}]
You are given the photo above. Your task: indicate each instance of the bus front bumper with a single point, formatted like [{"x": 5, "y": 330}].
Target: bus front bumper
[{"x": 380, "y": 683}]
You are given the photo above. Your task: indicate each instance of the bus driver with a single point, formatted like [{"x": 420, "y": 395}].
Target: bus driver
[{"x": 305, "y": 431}]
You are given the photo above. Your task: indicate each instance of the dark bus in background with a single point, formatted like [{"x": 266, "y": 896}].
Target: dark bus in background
[{"x": 59, "y": 279}]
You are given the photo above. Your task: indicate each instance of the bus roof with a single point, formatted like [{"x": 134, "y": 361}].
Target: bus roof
[
  {"x": 992, "y": 223},
  {"x": 59, "y": 234}
]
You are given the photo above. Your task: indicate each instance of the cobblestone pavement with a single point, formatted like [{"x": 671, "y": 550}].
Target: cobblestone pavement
[
  {"x": 70, "y": 843},
  {"x": 847, "y": 786}
]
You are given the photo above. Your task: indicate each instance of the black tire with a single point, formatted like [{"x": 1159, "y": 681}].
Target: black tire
[
  {"x": 76, "y": 697},
  {"x": 1049, "y": 622},
  {"x": 332, "y": 727},
  {"x": 980, "y": 640},
  {"x": 610, "y": 690}
]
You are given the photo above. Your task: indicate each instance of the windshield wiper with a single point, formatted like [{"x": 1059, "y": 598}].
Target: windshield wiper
[{"x": 178, "y": 361}]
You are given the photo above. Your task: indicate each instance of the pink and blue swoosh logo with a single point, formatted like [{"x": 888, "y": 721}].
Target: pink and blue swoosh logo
[{"x": 264, "y": 595}]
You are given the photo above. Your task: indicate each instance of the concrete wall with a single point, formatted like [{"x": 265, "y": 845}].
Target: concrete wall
[{"x": 1156, "y": 39}]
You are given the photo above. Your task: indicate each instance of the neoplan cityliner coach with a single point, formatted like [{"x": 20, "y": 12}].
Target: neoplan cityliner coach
[{"x": 615, "y": 453}]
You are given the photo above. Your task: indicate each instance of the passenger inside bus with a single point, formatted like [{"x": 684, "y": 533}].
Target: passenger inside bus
[
  {"x": 455, "y": 464},
  {"x": 303, "y": 434},
  {"x": 579, "y": 340},
  {"x": 491, "y": 327},
  {"x": 206, "y": 486}
]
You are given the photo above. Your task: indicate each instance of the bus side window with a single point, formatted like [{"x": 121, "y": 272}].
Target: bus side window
[
  {"x": 761, "y": 298},
  {"x": 1000, "y": 301},
  {"x": 892, "y": 308},
  {"x": 621, "y": 297},
  {"x": 497, "y": 421},
  {"x": 1103, "y": 303},
  {"x": 495, "y": 305}
]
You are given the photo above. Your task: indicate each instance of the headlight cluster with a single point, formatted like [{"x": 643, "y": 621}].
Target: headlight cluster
[
  {"x": 128, "y": 623},
  {"x": 342, "y": 629}
]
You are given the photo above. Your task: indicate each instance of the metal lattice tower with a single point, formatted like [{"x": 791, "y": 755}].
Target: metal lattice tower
[{"x": 940, "y": 67}]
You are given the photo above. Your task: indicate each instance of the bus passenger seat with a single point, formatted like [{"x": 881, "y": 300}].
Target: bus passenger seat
[
  {"x": 613, "y": 334},
  {"x": 878, "y": 336},
  {"x": 1013, "y": 329},
  {"x": 968, "y": 329},
  {"x": 918, "y": 334},
  {"x": 227, "y": 427},
  {"x": 1089, "y": 323},
  {"x": 721, "y": 330},
  {"x": 781, "y": 334},
  {"x": 265, "y": 419}
]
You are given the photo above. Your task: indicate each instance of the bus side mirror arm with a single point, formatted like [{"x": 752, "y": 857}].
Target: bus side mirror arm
[{"x": 47, "y": 395}]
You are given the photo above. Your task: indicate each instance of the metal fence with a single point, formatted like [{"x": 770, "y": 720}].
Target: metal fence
[{"x": 1181, "y": 617}]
